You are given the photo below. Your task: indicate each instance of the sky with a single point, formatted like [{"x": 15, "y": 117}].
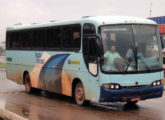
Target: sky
[{"x": 40, "y": 11}]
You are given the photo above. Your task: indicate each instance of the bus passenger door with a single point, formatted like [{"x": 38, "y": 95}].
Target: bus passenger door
[{"x": 90, "y": 58}]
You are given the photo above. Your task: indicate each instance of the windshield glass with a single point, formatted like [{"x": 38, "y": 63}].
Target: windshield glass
[{"x": 130, "y": 48}]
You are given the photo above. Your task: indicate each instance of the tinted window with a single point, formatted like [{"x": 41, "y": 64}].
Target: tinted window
[
  {"x": 60, "y": 37},
  {"x": 67, "y": 37},
  {"x": 7, "y": 40},
  {"x": 76, "y": 36},
  {"x": 26, "y": 37},
  {"x": 15, "y": 41},
  {"x": 71, "y": 36},
  {"x": 89, "y": 44},
  {"x": 92, "y": 49},
  {"x": 39, "y": 39},
  {"x": 89, "y": 29},
  {"x": 54, "y": 38}
]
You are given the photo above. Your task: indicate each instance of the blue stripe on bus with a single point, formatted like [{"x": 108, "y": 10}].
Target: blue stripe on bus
[{"x": 51, "y": 72}]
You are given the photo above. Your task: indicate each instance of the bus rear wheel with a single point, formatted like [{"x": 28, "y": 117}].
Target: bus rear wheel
[
  {"x": 80, "y": 94},
  {"x": 28, "y": 87}
]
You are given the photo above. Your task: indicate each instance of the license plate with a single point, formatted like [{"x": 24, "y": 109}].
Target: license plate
[{"x": 135, "y": 99}]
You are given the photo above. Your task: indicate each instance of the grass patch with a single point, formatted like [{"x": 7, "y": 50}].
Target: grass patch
[{"x": 2, "y": 65}]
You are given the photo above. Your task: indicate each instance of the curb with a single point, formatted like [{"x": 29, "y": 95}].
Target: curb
[{"x": 7, "y": 115}]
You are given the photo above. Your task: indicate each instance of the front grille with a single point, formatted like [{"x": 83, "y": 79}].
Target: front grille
[
  {"x": 144, "y": 93},
  {"x": 136, "y": 94},
  {"x": 135, "y": 87}
]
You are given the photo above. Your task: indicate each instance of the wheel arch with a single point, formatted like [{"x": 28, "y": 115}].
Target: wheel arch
[
  {"x": 24, "y": 74},
  {"x": 74, "y": 83}
]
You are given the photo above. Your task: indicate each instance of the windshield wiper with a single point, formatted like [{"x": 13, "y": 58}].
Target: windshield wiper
[
  {"x": 148, "y": 68},
  {"x": 134, "y": 51},
  {"x": 129, "y": 63}
]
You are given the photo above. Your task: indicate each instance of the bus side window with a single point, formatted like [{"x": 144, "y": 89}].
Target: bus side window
[
  {"x": 66, "y": 37},
  {"x": 39, "y": 39},
  {"x": 71, "y": 37},
  {"x": 57, "y": 37},
  {"x": 76, "y": 39},
  {"x": 16, "y": 40},
  {"x": 36, "y": 39},
  {"x": 50, "y": 41},
  {"x": 92, "y": 50},
  {"x": 27, "y": 37},
  {"x": 8, "y": 42},
  {"x": 76, "y": 35}
]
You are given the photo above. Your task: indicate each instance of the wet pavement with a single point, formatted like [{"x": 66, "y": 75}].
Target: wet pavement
[
  {"x": 8, "y": 85},
  {"x": 50, "y": 106}
]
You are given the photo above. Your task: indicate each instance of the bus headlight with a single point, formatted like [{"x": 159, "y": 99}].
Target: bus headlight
[
  {"x": 113, "y": 86},
  {"x": 156, "y": 83},
  {"x": 117, "y": 86}
]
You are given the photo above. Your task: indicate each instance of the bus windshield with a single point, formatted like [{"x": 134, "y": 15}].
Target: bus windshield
[{"x": 130, "y": 48}]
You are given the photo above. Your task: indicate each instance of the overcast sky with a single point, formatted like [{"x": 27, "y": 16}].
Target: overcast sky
[{"x": 37, "y": 11}]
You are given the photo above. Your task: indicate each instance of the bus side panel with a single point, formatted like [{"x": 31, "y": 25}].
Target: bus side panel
[
  {"x": 13, "y": 73},
  {"x": 59, "y": 71},
  {"x": 15, "y": 65},
  {"x": 51, "y": 73},
  {"x": 36, "y": 73},
  {"x": 67, "y": 82},
  {"x": 71, "y": 67},
  {"x": 75, "y": 67},
  {"x": 91, "y": 86}
]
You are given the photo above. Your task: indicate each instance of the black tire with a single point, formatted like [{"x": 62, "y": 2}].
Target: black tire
[
  {"x": 79, "y": 95},
  {"x": 36, "y": 90},
  {"x": 132, "y": 103},
  {"x": 28, "y": 87}
]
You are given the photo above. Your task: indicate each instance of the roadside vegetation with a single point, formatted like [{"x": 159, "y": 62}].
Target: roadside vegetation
[
  {"x": 2, "y": 65},
  {"x": 2, "y": 57}
]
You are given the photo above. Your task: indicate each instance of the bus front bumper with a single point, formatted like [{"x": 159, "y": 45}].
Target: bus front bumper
[{"x": 126, "y": 95}]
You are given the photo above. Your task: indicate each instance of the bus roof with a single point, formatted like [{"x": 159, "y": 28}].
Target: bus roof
[{"x": 97, "y": 20}]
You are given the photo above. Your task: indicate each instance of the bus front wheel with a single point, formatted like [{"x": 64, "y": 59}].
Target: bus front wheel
[
  {"x": 80, "y": 94},
  {"x": 28, "y": 87},
  {"x": 132, "y": 103}
]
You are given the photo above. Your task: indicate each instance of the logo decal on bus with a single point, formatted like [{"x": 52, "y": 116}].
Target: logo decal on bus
[
  {"x": 74, "y": 62},
  {"x": 38, "y": 58},
  {"x": 37, "y": 55}
]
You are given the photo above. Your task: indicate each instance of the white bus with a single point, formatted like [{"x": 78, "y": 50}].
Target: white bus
[{"x": 97, "y": 59}]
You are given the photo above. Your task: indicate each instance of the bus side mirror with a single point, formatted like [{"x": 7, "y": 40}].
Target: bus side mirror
[{"x": 99, "y": 46}]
